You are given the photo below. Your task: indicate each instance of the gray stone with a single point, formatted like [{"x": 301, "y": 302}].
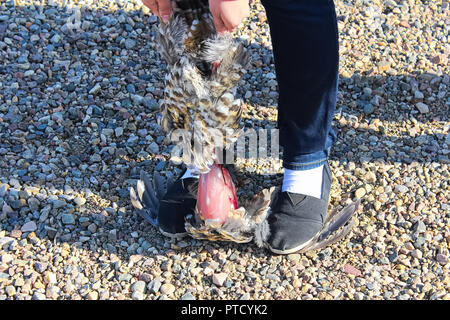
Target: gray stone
[
  {"x": 130, "y": 43},
  {"x": 187, "y": 296},
  {"x": 59, "y": 203},
  {"x": 138, "y": 286},
  {"x": 137, "y": 295},
  {"x": 95, "y": 89},
  {"x": 67, "y": 218},
  {"x": 79, "y": 201},
  {"x": 33, "y": 203},
  {"x": 418, "y": 94},
  {"x": 38, "y": 296},
  {"x": 107, "y": 132},
  {"x": 30, "y": 226},
  {"x": 401, "y": 188},
  {"x": 422, "y": 107},
  {"x": 153, "y": 147},
  {"x": 124, "y": 277},
  {"x": 154, "y": 286},
  {"x": 5, "y": 242},
  {"x": 56, "y": 38},
  {"x": 118, "y": 131},
  {"x": 368, "y": 108},
  {"x": 420, "y": 227},
  {"x": 40, "y": 266}
]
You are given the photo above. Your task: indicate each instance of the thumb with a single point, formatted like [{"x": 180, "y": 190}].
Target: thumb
[
  {"x": 220, "y": 26},
  {"x": 164, "y": 10}
]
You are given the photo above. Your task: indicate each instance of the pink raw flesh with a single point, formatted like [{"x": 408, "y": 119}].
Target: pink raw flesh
[{"x": 216, "y": 194}]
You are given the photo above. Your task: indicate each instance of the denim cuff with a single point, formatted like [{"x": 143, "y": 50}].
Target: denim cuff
[{"x": 305, "y": 162}]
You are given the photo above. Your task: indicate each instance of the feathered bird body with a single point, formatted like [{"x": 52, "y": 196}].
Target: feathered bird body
[{"x": 200, "y": 109}]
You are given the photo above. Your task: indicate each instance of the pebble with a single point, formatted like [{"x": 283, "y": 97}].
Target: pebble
[
  {"x": 167, "y": 288},
  {"x": 442, "y": 259},
  {"x": 30, "y": 226},
  {"x": 130, "y": 43},
  {"x": 360, "y": 192},
  {"x": 10, "y": 290},
  {"x": 219, "y": 278},
  {"x": 138, "y": 286},
  {"x": 79, "y": 201},
  {"x": 95, "y": 89},
  {"x": 92, "y": 295},
  {"x": 401, "y": 188},
  {"x": 422, "y": 107},
  {"x": 420, "y": 227},
  {"x": 154, "y": 286},
  {"x": 59, "y": 203},
  {"x": 118, "y": 131},
  {"x": 352, "y": 270},
  {"x": 137, "y": 295},
  {"x": 187, "y": 296},
  {"x": 68, "y": 218},
  {"x": 40, "y": 266}
]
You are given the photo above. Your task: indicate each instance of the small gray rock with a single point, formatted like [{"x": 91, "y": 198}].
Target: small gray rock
[
  {"x": 368, "y": 108},
  {"x": 118, "y": 131},
  {"x": 59, "y": 203},
  {"x": 67, "y": 218},
  {"x": 124, "y": 277},
  {"x": 130, "y": 43},
  {"x": 154, "y": 286},
  {"x": 56, "y": 38},
  {"x": 138, "y": 286},
  {"x": 420, "y": 227},
  {"x": 33, "y": 203},
  {"x": 38, "y": 296},
  {"x": 40, "y": 266},
  {"x": 79, "y": 201},
  {"x": 418, "y": 95},
  {"x": 30, "y": 226},
  {"x": 188, "y": 296},
  {"x": 401, "y": 188},
  {"x": 153, "y": 147},
  {"x": 137, "y": 295},
  {"x": 422, "y": 107}
]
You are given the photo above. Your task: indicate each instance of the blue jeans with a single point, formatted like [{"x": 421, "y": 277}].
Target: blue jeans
[{"x": 306, "y": 51}]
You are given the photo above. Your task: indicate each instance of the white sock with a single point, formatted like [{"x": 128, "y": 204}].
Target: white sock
[
  {"x": 189, "y": 174},
  {"x": 307, "y": 182}
]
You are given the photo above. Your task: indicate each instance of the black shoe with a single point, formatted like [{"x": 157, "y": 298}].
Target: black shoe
[
  {"x": 295, "y": 218},
  {"x": 179, "y": 201}
]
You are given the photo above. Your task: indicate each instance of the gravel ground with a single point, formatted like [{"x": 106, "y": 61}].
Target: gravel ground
[{"x": 79, "y": 93}]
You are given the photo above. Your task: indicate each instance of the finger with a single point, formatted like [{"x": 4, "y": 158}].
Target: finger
[
  {"x": 165, "y": 9},
  {"x": 229, "y": 23},
  {"x": 152, "y": 5},
  {"x": 220, "y": 26}
]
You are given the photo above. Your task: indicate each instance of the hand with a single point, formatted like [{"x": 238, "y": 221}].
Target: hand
[
  {"x": 228, "y": 14},
  {"x": 161, "y": 8}
]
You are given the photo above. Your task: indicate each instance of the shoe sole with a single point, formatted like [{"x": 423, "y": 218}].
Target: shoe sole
[
  {"x": 295, "y": 249},
  {"x": 173, "y": 235}
]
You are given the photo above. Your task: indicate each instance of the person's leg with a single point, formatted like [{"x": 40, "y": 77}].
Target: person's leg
[{"x": 305, "y": 45}]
